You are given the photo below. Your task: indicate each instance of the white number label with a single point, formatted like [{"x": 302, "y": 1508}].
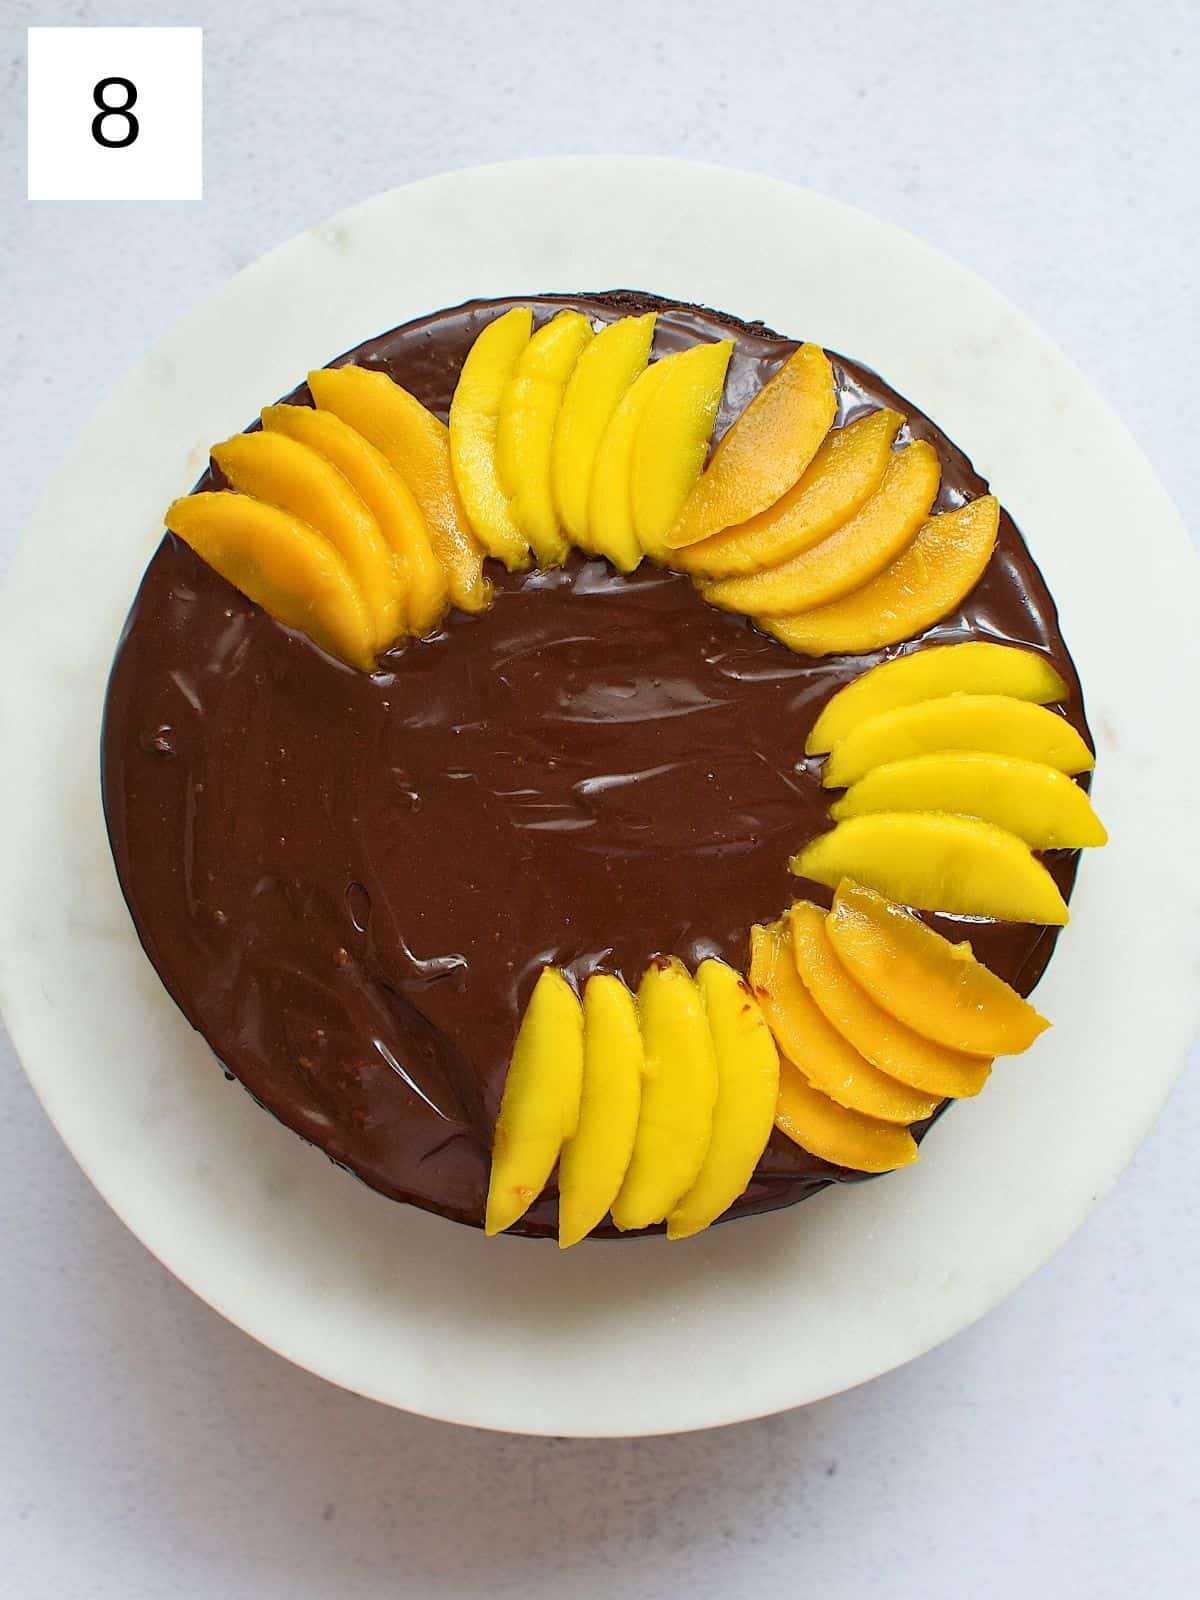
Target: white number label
[{"x": 115, "y": 113}]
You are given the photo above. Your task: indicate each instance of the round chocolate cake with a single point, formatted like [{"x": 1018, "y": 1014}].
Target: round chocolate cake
[{"x": 349, "y": 882}]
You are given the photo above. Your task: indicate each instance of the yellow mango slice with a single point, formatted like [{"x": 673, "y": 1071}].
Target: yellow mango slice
[
  {"x": 873, "y": 1032},
  {"x": 610, "y": 511},
  {"x": 937, "y": 988},
  {"x": 993, "y": 723},
  {"x": 747, "y": 1091},
  {"x": 764, "y": 451},
  {"x": 976, "y": 667},
  {"x": 842, "y": 476},
  {"x": 844, "y": 1138},
  {"x": 672, "y": 440},
  {"x": 278, "y": 470},
  {"x": 283, "y": 565},
  {"x": 594, "y": 1162},
  {"x": 474, "y": 420},
  {"x": 418, "y": 445},
  {"x": 930, "y": 580},
  {"x": 937, "y": 863},
  {"x": 539, "y": 1108},
  {"x": 802, "y": 1033},
  {"x": 850, "y": 556},
  {"x": 679, "y": 1091},
  {"x": 387, "y": 497},
  {"x": 525, "y": 431},
  {"x": 1036, "y": 802},
  {"x": 606, "y": 369}
]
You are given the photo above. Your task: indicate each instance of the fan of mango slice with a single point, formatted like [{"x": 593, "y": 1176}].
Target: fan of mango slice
[
  {"x": 852, "y": 1025},
  {"x": 361, "y": 519},
  {"x": 344, "y": 521},
  {"x": 957, "y": 774}
]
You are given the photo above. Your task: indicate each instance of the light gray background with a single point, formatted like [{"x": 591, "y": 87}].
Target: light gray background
[{"x": 147, "y": 1449}]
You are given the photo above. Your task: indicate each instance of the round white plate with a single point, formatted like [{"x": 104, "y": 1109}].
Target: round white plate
[{"x": 641, "y": 1336}]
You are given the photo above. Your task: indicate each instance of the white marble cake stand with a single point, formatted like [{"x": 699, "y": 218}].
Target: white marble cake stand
[{"x": 639, "y": 1337}]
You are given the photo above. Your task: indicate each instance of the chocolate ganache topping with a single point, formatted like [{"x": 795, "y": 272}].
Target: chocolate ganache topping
[{"x": 350, "y": 883}]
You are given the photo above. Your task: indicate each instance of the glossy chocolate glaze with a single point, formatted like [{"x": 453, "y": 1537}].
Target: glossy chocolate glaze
[{"x": 350, "y": 883}]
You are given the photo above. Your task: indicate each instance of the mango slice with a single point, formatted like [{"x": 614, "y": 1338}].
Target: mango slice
[
  {"x": 672, "y": 440},
  {"x": 679, "y": 1091},
  {"x": 387, "y": 497},
  {"x": 283, "y": 565},
  {"x": 872, "y": 1031},
  {"x": 842, "y": 476},
  {"x": 474, "y": 419},
  {"x": 278, "y": 470},
  {"x": 802, "y": 1033},
  {"x": 540, "y": 1106},
  {"x": 992, "y": 723},
  {"x": 1036, "y": 802},
  {"x": 844, "y": 1138},
  {"x": 417, "y": 444},
  {"x": 747, "y": 1091},
  {"x": 593, "y": 1163},
  {"x": 851, "y": 555},
  {"x": 937, "y": 988},
  {"x": 606, "y": 369},
  {"x": 765, "y": 451},
  {"x": 525, "y": 431},
  {"x": 937, "y": 863},
  {"x": 976, "y": 667},
  {"x": 930, "y": 580},
  {"x": 610, "y": 512}
]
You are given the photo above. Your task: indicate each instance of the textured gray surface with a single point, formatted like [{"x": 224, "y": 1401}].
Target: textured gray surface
[{"x": 148, "y": 1450}]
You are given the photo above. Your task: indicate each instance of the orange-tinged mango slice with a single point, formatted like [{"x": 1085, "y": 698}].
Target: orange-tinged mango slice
[
  {"x": 842, "y": 476},
  {"x": 283, "y": 565},
  {"x": 672, "y": 440},
  {"x": 747, "y": 1091},
  {"x": 679, "y": 1091},
  {"x": 525, "y": 431},
  {"x": 875, "y": 1033},
  {"x": 976, "y": 667},
  {"x": 937, "y": 988},
  {"x": 930, "y": 580},
  {"x": 802, "y": 1033},
  {"x": 286, "y": 474},
  {"x": 610, "y": 513},
  {"x": 845, "y": 1138},
  {"x": 850, "y": 556},
  {"x": 1036, "y": 802},
  {"x": 418, "y": 445},
  {"x": 937, "y": 862},
  {"x": 387, "y": 497},
  {"x": 602, "y": 376},
  {"x": 764, "y": 451},
  {"x": 993, "y": 723},
  {"x": 539, "y": 1108},
  {"x": 594, "y": 1162},
  {"x": 474, "y": 420}
]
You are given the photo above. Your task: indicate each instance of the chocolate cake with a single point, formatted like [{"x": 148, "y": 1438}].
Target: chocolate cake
[{"x": 349, "y": 882}]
